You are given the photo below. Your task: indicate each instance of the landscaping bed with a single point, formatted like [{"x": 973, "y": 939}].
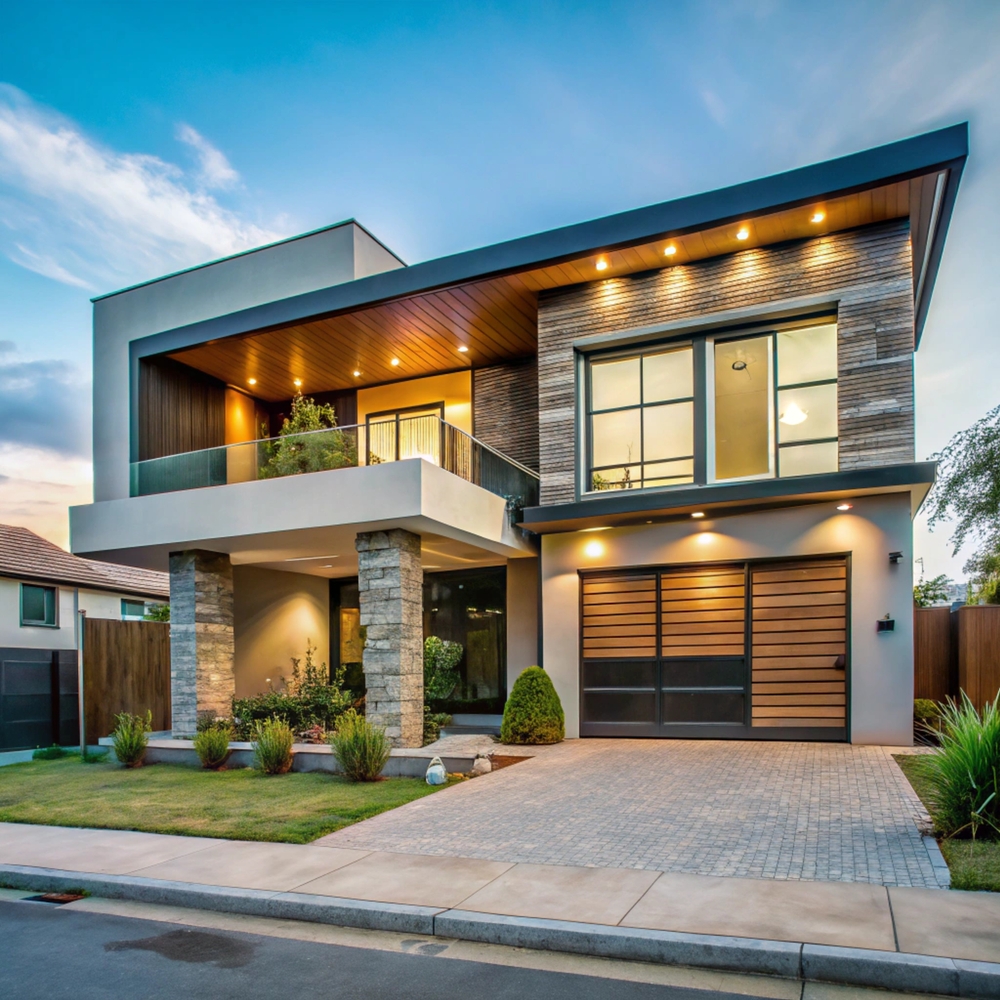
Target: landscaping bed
[
  {"x": 238, "y": 804},
  {"x": 974, "y": 864}
]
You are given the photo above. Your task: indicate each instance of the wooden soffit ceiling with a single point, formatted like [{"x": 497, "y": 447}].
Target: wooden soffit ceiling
[{"x": 496, "y": 319}]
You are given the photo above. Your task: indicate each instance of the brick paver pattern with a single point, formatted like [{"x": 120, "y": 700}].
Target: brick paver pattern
[{"x": 830, "y": 812}]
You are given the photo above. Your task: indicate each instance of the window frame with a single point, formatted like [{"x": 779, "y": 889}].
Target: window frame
[
  {"x": 703, "y": 360},
  {"x": 32, "y": 623},
  {"x": 127, "y": 617}
]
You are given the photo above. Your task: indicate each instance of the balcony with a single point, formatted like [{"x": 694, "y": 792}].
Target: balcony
[{"x": 380, "y": 441}]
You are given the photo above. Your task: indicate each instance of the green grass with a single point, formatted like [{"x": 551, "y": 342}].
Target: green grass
[
  {"x": 974, "y": 865},
  {"x": 163, "y": 798}
]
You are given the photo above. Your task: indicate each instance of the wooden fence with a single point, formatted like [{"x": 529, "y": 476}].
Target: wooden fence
[
  {"x": 126, "y": 668},
  {"x": 957, "y": 650}
]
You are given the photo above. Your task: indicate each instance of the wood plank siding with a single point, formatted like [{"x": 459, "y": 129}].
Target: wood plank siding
[
  {"x": 799, "y": 644},
  {"x": 180, "y": 409},
  {"x": 979, "y": 652},
  {"x": 505, "y": 409},
  {"x": 933, "y": 673},
  {"x": 865, "y": 273}
]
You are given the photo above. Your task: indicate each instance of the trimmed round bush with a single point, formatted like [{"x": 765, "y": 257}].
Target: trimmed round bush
[
  {"x": 272, "y": 746},
  {"x": 533, "y": 713},
  {"x": 212, "y": 746}
]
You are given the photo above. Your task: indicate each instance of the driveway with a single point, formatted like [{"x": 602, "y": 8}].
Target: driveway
[{"x": 819, "y": 811}]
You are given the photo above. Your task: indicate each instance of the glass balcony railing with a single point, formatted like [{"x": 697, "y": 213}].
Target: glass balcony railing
[{"x": 391, "y": 439}]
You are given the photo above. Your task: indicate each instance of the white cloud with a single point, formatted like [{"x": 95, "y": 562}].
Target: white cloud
[
  {"x": 86, "y": 215},
  {"x": 216, "y": 170}
]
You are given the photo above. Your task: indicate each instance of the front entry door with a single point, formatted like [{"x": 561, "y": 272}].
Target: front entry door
[{"x": 724, "y": 651}]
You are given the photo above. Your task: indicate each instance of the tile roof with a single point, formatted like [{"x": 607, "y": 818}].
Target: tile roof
[{"x": 25, "y": 554}]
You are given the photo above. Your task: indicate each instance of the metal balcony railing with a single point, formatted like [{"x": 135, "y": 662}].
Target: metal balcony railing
[{"x": 389, "y": 439}]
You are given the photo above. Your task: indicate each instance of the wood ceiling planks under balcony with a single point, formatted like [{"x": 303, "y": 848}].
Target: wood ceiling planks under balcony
[{"x": 497, "y": 318}]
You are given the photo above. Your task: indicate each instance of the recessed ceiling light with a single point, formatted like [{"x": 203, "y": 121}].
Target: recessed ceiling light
[
  {"x": 593, "y": 549},
  {"x": 357, "y": 374},
  {"x": 743, "y": 233},
  {"x": 844, "y": 506},
  {"x": 602, "y": 265},
  {"x": 463, "y": 349},
  {"x": 818, "y": 217},
  {"x": 698, "y": 513},
  {"x": 394, "y": 362},
  {"x": 649, "y": 522},
  {"x": 670, "y": 251},
  {"x": 251, "y": 381},
  {"x": 297, "y": 383}
]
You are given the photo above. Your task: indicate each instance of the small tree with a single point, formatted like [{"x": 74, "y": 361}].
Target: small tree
[
  {"x": 303, "y": 447},
  {"x": 929, "y": 592}
]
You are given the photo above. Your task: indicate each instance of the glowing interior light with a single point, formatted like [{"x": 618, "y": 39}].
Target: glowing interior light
[
  {"x": 793, "y": 415},
  {"x": 743, "y": 233},
  {"x": 593, "y": 549},
  {"x": 602, "y": 265},
  {"x": 817, "y": 217},
  {"x": 670, "y": 251}
]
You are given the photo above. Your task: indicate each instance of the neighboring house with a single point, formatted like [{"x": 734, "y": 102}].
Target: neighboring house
[
  {"x": 669, "y": 454},
  {"x": 42, "y": 588}
]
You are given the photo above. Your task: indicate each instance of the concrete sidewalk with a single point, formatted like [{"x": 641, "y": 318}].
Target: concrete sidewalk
[{"x": 772, "y": 926}]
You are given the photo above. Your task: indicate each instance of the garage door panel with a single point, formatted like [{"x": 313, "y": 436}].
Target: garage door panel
[
  {"x": 800, "y": 625},
  {"x": 830, "y": 571},
  {"x": 620, "y": 706}
]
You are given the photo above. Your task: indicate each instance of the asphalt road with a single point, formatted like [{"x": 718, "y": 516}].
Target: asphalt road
[{"x": 53, "y": 953}]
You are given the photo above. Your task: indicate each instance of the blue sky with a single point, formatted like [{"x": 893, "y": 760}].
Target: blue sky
[{"x": 139, "y": 138}]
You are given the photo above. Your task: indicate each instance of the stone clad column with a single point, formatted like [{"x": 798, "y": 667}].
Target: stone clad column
[
  {"x": 202, "y": 679},
  {"x": 390, "y": 589}
]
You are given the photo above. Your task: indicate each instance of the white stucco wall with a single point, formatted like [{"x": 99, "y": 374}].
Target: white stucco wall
[
  {"x": 522, "y": 617},
  {"x": 881, "y": 679},
  {"x": 97, "y": 604},
  {"x": 293, "y": 267},
  {"x": 275, "y": 614}
]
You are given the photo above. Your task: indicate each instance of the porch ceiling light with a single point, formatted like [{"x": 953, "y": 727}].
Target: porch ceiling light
[
  {"x": 845, "y": 506},
  {"x": 817, "y": 217},
  {"x": 670, "y": 251},
  {"x": 251, "y": 381},
  {"x": 698, "y": 513},
  {"x": 463, "y": 349},
  {"x": 593, "y": 549},
  {"x": 394, "y": 362},
  {"x": 356, "y": 374},
  {"x": 743, "y": 233},
  {"x": 602, "y": 264},
  {"x": 794, "y": 414},
  {"x": 297, "y": 383}
]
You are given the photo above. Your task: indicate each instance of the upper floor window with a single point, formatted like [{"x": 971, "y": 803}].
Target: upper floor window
[
  {"x": 767, "y": 406},
  {"x": 38, "y": 605}
]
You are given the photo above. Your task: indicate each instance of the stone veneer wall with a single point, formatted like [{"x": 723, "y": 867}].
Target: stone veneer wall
[
  {"x": 202, "y": 649},
  {"x": 390, "y": 592},
  {"x": 866, "y": 271}
]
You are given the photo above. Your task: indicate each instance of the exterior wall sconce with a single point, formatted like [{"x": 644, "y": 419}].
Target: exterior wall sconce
[
  {"x": 886, "y": 624},
  {"x": 895, "y": 557}
]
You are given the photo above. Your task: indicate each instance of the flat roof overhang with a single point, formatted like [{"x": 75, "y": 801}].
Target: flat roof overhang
[
  {"x": 629, "y": 507},
  {"x": 488, "y": 297}
]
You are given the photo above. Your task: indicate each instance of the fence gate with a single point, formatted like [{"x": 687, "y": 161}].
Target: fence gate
[{"x": 741, "y": 650}]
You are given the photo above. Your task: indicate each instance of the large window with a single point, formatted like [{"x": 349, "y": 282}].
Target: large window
[
  {"x": 641, "y": 417},
  {"x": 767, "y": 407}
]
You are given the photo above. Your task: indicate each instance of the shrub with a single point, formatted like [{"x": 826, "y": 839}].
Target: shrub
[
  {"x": 131, "y": 737},
  {"x": 926, "y": 711},
  {"x": 311, "y": 697},
  {"x": 361, "y": 748},
  {"x": 433, "y": 721},
  {"x": 212, "y": 745},
  {"x": 272, "y": 747},
  {"x": 308, "y": 441},
  {"x": 441, "y": 658},
  {"x": 53, "y": 752},
  {"x": 533, "y": 713},
  {"x": 964, "y": 774}
]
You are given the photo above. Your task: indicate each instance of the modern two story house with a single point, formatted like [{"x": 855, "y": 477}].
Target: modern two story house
[{"x": 667, "y": 454}]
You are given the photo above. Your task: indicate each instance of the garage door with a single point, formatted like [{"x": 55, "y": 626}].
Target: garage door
[{"x": 741, "y": 650}]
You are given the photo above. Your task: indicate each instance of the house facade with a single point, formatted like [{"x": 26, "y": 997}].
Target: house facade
[
  {"x": 42, "y": 591},
  {"x": 668, "y": 454}
]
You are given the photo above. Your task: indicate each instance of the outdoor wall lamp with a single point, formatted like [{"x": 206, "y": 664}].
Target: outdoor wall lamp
[
  {"x": 886, "y": 624},
  {"x": 895, "y": 557}
]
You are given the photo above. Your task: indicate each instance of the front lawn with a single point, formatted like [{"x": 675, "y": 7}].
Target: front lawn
[
  {"x": 165, "y": 798},
  {"x": 973, "y": 864}
]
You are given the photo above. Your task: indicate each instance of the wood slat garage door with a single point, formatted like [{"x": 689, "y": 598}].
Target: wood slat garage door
[{"x": 799, "y": 645}]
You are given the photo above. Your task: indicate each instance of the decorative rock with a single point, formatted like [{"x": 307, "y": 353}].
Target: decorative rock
[
  {"x": 436, "y": 774},
  {"x": 481, "y": 765}
]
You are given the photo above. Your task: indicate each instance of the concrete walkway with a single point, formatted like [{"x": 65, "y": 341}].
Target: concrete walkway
[
  {"x": 931, "y": 922},
  {"x": 823, "y": 811}
]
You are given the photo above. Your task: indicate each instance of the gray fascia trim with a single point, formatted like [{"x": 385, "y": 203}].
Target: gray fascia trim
[
  {"x": 640, "y": 502},
  {"x": 938, "y": 150},
  {"x": 252, "y": 250}
]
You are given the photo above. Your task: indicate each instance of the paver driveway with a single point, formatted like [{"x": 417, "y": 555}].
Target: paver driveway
[{"x": 765, "y": 810}]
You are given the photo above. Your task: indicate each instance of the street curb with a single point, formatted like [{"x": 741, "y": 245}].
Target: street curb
[{"x": 791, "y": 960}]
